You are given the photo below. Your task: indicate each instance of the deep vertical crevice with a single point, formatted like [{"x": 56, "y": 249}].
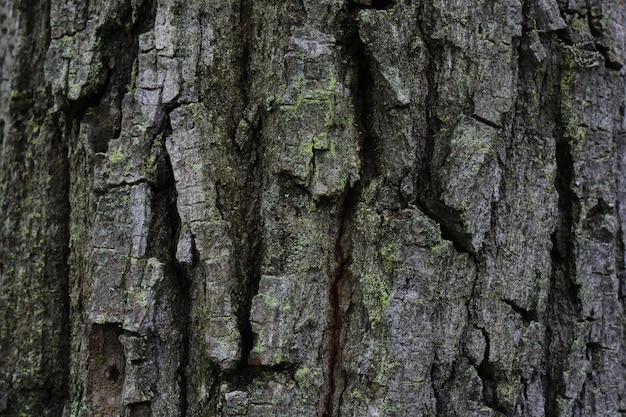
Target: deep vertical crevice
[
  {"x": 373, "y": 4},
  {"x": 563, "y": 300},
  {"x": 250, "y": 263},
  {"x": 344, "y": 211},
  {"x": 164, "y": 247},
  {"x": 247, "y": 213},
  {"x": 245, "y": 22},
  {"x": 489, "y": 376},
  {"x": 433, "y": 124},
  {"x": 564, "y": 304},
  {"x": 364, "y": 81},
  {"x": 184, "y": 315},
  {"x": 620, "y": 265},
  {"x": 427, "y": 197},
  {"x": 339, "y": 275},
  {"x": 65, "y": 221},
  {"x": 435, "y": 375},
  {"x": 619, "y": 209},
  {"x": 383, "y": 4},
  {"x": 247, "y": 272}
]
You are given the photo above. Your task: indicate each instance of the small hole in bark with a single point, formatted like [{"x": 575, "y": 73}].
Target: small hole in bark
[{"x": 112, "y": 373}]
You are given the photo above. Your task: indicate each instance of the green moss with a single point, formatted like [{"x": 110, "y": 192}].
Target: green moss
[
  {"x": 388, "y": 253},
  {"x": 506, "y": 396},
  {"x": 117, "y": 156},
  {"x": 320, "y": 141},
  {"x": 131, "y": 87},
  {"x": 441, "y": 248},
  {"x": 151, "y": 164},
  {"x": 154, "y": 262},
  {"x": 69, "y": 49},
  {"x": 377, "y": 296},
  {"x": 271, "y": 301},
  {"x": 315, "y": 96},
  {"x": 277, "y": 358},
  {"x": 307, "y": 377},
  {"x": 33, "y": 125},
  {"x": 579, "y": 26}
]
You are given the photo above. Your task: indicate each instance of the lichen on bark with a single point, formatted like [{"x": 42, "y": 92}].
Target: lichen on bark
[{"x": 312, "y": 208}]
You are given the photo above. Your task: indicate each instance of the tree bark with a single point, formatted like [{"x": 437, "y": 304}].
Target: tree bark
[{"x": 312, "y": 208}]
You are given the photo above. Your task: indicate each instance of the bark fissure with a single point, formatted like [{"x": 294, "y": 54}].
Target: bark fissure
[
  {"x": 435, "y": 374},
  {"x": 65, "y": 229},
  {"x": 432, "y": 122},
  {"x": 488, "y": 375},
  {"x": 34, "y": 230},
  {"x": 372, "y": 4},
  {"x": 344, "y": 209},
  {"x": 564, "y": 305},
  {"x": 250, "y": 272},
  {"x": 525, "y": 314},
  {"x": 406, "y": 201},
  {"x": 619, "y": 255},
  {"x": 427, "y": 199},
  {"x": 248, "y": 250},
  {"x": 339, "y": 275},
  {"x": 486, "y": 121},
  {"x": 165, "y": 246},
  {"x": 245, "y": 22}
]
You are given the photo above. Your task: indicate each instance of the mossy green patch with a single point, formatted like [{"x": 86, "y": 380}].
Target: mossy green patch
[
  {"x": 377, "y": 296},
  {"x": 117, "y": 156},
  {"x": 326, "y": 96}
]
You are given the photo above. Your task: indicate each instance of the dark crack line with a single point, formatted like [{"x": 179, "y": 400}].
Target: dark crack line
[
  {"x": 486, "y": 121},
  {"x": 65, "y": 230},
  {"x": 487, "y": 374},
  {"x": 526, "y": 315},
  {"x": 249, "y": 262},
  {"x": 339, "y": 275},
  {"x": 434, "y": 377},
  {"x": 373, "y": 4},
  {"x": 346, "y": 204},
  {"x": 426, "y": 197},
  {"x": 181, "y": 275},
  {"x": 564, "y": 304},
  {"x": 245, "y": 20},
  {"x": 250, "y": 272},
  {"x": 432, "y": 95}
]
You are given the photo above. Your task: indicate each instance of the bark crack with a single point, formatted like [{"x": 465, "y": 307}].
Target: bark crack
[
  {"x": 427, "y": 197},
  {"x": 339, "y": 275},
  {"x": 489, "y": 376},
  {"x": 181, "y": 276},
  {"x": 564, "y": 304},
  {"x": 249, "y": 271},
  {"x": 486, "y": 121},
  {"x": 526, "y": 315},
  {"x": 248, "y": 141},
  {"x": 346, "y": 204}
]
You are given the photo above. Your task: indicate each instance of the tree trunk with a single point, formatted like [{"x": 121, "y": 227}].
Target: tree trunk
[{"x": 312, "y": 208}]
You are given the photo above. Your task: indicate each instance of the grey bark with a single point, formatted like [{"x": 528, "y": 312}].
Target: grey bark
[{"x": 312, "y": 208}]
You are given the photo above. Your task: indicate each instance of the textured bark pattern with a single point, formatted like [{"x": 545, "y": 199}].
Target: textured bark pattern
[{"x": 312, "y": 208}]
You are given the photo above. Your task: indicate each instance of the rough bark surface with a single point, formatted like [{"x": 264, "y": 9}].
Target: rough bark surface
[{"x": 312, "y": 208}]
